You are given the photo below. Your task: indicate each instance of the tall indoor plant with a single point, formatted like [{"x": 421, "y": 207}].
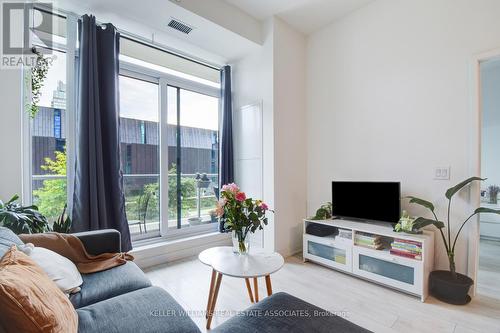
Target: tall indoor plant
[
  {"x": 240, "y": 215},
  {"x": 449, "y": 286}
]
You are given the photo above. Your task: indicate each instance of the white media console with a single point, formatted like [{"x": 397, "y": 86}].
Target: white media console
[{"x": 406, "y": 274}]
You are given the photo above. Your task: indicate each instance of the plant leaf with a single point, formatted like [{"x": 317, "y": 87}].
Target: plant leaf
[
  {"x": 14, "y": 198},
  {"x": 486, "y": 210},
  {"x": 421, "y": 202},
  {"x": 421, "y": 222},
  {"x": 453, "y": 190}
]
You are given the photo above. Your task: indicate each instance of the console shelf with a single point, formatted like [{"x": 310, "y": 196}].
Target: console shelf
[{"x": 352, "y": 252}]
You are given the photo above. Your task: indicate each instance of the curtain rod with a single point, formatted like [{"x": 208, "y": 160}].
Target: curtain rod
[{"x": 134, "y": 38}]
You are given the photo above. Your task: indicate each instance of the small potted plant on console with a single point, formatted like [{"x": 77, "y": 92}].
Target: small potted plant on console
[{"x": 448, "y": 285}]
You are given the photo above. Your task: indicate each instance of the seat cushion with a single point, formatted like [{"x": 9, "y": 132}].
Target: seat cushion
[
  {"x": 7, "y": 239},
  {"x": 282, "y": 312},
  {"x": 146, "y": 310},
  {"x": 109, "y": 283}
]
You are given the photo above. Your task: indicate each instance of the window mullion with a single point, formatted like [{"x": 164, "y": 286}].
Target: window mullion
[
  {"x": 163, "y": 148},
  {"x": 27, "y": 186}
]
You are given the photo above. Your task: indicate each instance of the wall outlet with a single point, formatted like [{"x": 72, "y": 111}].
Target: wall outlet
[{"x": 442, "y": 173}]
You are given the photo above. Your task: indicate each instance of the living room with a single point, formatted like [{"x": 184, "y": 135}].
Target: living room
[{"x": 248, "y": 165}]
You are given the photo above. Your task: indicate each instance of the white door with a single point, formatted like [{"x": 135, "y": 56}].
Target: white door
[{"x": 248, "y": 160}]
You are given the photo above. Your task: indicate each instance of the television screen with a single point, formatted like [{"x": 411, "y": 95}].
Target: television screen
[{"x": 372, "y": 201}]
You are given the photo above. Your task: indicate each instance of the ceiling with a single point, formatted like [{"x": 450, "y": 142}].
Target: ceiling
[
  {"x": 306, "y": 16},
  {"x": 149, "y": 19}
]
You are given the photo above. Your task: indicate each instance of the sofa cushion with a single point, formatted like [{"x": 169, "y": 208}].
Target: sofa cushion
[
  {"x": 109, "y": 283},
  {"x": 29, "y": 300},
  {"x": 7, "y": 239},
  {"x": 60, "y": 269},
  {"x": 146, "y": 310},
  {"x": 282, "y": 312}
]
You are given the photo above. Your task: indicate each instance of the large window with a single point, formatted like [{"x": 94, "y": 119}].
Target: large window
[
  {"x": 140, "y": 154},
  {"x": 178, "y": 195},
  {"x": 48, "y": 145},
  {"x": 193, "y": 150},
  {"x": 48, "y": 132},
  {"x": 169, "y": 137}
]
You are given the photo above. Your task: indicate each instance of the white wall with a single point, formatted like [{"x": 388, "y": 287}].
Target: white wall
[
  {"x": 253, "y": 82},
  {"x": 10, "y": 133},
  {"x": 389, "y": 98},
  {"x": 275, "y": 74},
  {"x": 289, "y": 137}
]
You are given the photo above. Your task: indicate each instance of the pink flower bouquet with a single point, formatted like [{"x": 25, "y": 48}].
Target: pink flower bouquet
[{"x": 241, "y": 214}]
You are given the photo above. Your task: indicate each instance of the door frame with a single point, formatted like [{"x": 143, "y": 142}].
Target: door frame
[{"x": 476, "y": 117}]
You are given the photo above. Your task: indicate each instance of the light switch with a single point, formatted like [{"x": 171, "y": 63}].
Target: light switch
[{"x": 442, "y": 173}]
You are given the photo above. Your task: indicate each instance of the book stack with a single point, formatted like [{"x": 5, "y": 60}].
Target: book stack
[
  {"x": 345, "y": 233},
  {"x": 371, "y": 241},
  {"x": 407, "y": 248}
]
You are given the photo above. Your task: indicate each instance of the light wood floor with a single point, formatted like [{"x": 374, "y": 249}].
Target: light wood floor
[
  {"x": 374, "y": 307},
  {"x": 488, "y": 279}
]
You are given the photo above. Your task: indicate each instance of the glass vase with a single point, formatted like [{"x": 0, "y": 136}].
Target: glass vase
[{"x": 240, "y": 242}]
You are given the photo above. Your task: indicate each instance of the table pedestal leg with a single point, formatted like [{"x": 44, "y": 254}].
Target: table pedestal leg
[
  {"x": 268, "y": 285},
  {"x": 249, "y": 289},
  {"x": 214, "y": 300},
  {"x": 210, "y": 292},
  {"x": 256, "y": 289}
]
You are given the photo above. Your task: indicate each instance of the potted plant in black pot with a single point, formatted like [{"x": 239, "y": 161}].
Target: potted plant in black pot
[{"x": 448, "y": 285}]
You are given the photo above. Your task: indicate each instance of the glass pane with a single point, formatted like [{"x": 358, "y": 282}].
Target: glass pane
[
  {"x": 48, "y": 137},
  {"x": 139, "y": 140},
  {"x": 193, "y": 146},
  {"x": 388, "y": 269},
  {"x": 326, "y": 252}
]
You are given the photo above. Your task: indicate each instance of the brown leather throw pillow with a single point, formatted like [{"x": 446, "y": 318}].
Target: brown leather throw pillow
[{"x": 29, "y": 300}]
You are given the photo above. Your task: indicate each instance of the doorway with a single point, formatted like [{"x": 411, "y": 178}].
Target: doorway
[{"x": 488, "y": 273}]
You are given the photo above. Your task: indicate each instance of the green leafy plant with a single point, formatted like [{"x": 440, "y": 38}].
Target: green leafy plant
[
  {"x": 22, "y": 219},
  {"x": 405, "y": 224},
  {"x": 38, "y": 75},
  {"x": 188, "y": 190},
  {"x": 52, "y": 196},
  {"x": 63, "y": 222},
  {"x": 324, "y": 212},
  {"x": 421, "y": 222}
]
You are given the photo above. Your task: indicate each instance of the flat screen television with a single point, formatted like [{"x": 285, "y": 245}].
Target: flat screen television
[{"x": 368, "y": 201}]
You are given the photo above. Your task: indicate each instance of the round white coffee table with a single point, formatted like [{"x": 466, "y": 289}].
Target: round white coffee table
[{"x": 224, "y": 261}]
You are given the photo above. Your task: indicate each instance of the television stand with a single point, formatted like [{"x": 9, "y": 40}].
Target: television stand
[{"x": 374, "y": 252}]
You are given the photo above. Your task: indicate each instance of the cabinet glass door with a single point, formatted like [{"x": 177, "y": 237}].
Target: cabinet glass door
[
  {"x": 387, "y": 269},
  {"x": 327, "y": 252}
]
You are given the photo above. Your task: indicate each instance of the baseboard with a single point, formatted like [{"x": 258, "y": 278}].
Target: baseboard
[
  {"x": 164, "y": 252},
  {"x": 289, "y": 252}
]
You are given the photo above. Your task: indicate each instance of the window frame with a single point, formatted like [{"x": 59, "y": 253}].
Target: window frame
[
  {"x": 165, "y": 80},
  {"x": 71, "y": 52},
  {"x": 134, "y": 71}
]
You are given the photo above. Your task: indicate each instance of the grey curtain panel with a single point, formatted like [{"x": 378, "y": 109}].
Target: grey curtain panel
[
  {"x": 226, "y": 147},
  {"x": 98, "y": 199}
]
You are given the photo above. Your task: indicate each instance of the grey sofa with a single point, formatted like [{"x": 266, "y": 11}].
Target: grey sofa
[
  {"x": 282, "y": 312},
  {"x": 120, "y": 299}
]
